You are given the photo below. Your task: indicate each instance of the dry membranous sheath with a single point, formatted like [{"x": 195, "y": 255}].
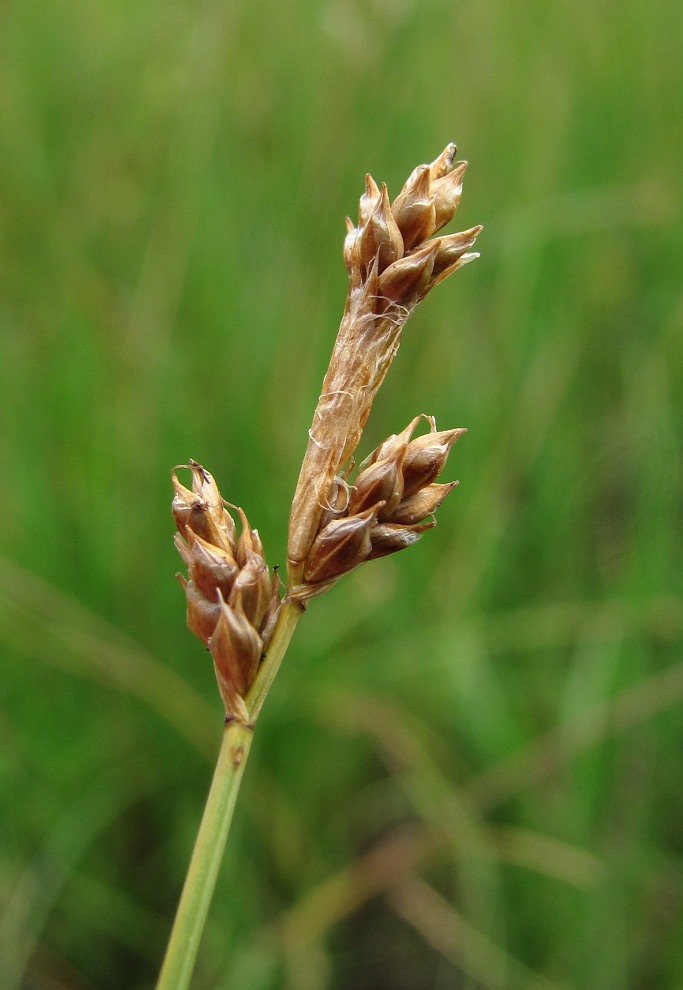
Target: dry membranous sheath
[{"x": 336, "y": 522}]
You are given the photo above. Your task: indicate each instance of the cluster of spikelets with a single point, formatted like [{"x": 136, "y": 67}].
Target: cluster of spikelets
[
  {"x": 390, "y": 505},
  {"x": 233, "y": 601},
  {"x": 393, "y": 240},
  {"x": 393, "y": 261}
]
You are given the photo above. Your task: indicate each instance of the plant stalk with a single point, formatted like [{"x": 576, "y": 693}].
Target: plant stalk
[
  {"x": 290, "y": 613},
  {"x": 200, "y": 882}
]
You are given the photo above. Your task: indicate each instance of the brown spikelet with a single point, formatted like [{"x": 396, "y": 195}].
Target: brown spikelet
[
  {"x": 426, "y": 456},
  {"x": 380, "y": 482},
  {"x": 392, "y": 537},
  {"x": 342, "y": 545},
  {"x": 422, "y": 504},
  {"x": 232, "y": 599},
  {"x": 393, "y": 261},
  {"x": 414, "y": 208},
  {"x": 390, "y": 505}
]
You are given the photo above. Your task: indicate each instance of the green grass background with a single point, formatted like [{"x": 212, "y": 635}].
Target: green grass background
[{"x": 468, "y": 773}]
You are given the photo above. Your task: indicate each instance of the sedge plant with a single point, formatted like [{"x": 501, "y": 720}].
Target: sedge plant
[{"x": 341, "y": 517}]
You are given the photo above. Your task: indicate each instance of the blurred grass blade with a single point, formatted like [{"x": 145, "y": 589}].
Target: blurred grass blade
[{"x": 39, "y": 620}]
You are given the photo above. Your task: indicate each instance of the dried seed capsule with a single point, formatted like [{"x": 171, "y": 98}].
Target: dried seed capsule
[
  {"x": 249, "y": 540},
  {"x": 380, "y": 482},
  {"x": 425, "y": 457},
  {"x": 368, "y": 200},
  {"x": 423, "y": 503},
  {"x": 444, "y": 163},
  {"x": 446, "y": 195},
  {"x": 252, "y": 588},
  {"x": 201, "y": 509},
  {"x": 379, "y": 238},
  {"x": 211, "y": 568},
  {"x": 342, "y": 545},
  {"x": 206, "y": 489},
  {"x": 202, "y": 615},
  {"x": 236, "y": 650},
  {"x": 414, "y": 208},
  {"x": 236, "y": 647},
  {"x": 451, "y": 248},
  {"x": 409, "y": 278},
  {"x": 389, "y": 538},
  {"x": 188, "y": 510}
]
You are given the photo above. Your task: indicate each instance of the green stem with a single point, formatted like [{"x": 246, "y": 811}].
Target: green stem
[
  {"x": 290, "y": 613},
  {"x": 200, "y": 882}
]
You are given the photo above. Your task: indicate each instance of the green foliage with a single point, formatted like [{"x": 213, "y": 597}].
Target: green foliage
[{"x": 494, "y": 714}]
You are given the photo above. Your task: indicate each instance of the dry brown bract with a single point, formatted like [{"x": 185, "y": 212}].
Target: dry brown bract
[{"x": 393, "y": 262}]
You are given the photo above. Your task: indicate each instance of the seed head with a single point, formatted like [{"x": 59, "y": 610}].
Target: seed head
[
  {"x": 426, "y": 456},
  {"x": 336, "y": 524},
  {"x": 232, "y": 600},
  {"x": 393, "y": 261},
  {"x": 342, "y": 545},
  {"x": 391, "y": 504}
]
